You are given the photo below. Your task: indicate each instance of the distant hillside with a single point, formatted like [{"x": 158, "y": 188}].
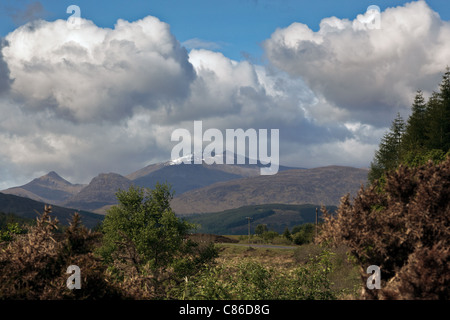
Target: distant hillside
[
  {"x": 145, "y": 171},
  {"x": 101, "y": 191},
  {"x": 189, "y": 176},
  {"x": 185, "y": 177},
  {"x": 50, "y": 188},
  {"x": 27, "y": 208},
  {"x": 276, "y": 216},
  {"x": 99, "y": 194},
  {"x": 7, "y": 218},
  {"x": 325, "y": 185},
  {"x": 201, "y": 188}
]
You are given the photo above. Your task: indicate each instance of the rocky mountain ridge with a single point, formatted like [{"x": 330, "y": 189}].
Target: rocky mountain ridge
[{"x": 202, "y": 188}]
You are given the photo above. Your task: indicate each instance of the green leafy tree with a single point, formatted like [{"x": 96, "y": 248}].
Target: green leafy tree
[
  {"x": 260, "y": 229},
  {"x": 268, "y": 236},
  {"x": 304, "y": 233},
  {"x": 144, "y": 241},
  {"x": 287, "y": 234}
]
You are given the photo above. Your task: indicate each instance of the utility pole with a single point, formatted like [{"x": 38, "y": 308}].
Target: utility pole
[
  {"x": 248, "y": 218},
  {"x": 315, "y": 239}
]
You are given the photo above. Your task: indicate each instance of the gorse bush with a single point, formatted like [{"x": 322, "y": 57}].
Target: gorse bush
[
  {"x": 401, "y": 221},
  {"x": 33, "y": 265},
  {"x": 403, "y": 227},
  {"x": 29, "y": 264}
]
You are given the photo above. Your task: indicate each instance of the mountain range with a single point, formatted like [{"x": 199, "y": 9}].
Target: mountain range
[
  {"x": 50, "y": 188},
  {"x": 323, "y": 185},
  {"x": 200, "y": 188}
]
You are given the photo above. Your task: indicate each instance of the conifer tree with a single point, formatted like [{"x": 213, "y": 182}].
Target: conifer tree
[
  {"x": 438, "y": 115},
  {"x": 435, "y": 115},
  {"x": 445, "y": 100},
  {"x": 425, "y": 136},
  {"x": 388, "y": 155},
  {"x": 415, "y": 137}
]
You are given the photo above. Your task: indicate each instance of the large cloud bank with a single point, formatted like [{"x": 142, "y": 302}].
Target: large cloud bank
[
  {"x": 91, "y": 73},
  {"x": 89, "y": 100},
  {"x": 366, "y": 73}
]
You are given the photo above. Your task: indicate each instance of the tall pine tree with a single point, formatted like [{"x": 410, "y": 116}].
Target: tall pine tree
[
  {"x": 388, "y": 156},
  {"x": 438, "y": 116},
  {"x": 445, "y": 100},
  {"x": 415, "y": 138},
  {"x": 435, "y": 128}
]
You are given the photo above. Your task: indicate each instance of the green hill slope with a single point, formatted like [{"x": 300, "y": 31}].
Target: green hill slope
[
  {"x": 276, "y": 216},
  {"x": 26, "y": 208}
]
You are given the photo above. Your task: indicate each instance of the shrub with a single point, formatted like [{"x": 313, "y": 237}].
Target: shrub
[
  {"x": 268, "y": 236},
  {"x": 33, "y": 265},
  {"x": 11, "y": 230},
  {"x": 303, "y": 234},
  {"x": 403, "y": 227},
  {"x": 260, "y": 229}
]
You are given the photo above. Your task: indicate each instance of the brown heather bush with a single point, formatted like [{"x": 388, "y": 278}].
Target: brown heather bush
[
  {"x": 33, "y": 266},
  {"x": 401, "y": 225}
]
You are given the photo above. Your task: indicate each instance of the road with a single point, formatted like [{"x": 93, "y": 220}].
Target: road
[{"x": 262, "y": 246}]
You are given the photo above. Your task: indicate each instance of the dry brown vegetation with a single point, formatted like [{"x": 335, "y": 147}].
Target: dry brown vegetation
[
  {"x": 403, "y": 226},
  {"x": 33, "y": 266}
]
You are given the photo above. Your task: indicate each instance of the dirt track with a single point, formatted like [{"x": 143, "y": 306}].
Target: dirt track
[{"x": 263, "y": 246}]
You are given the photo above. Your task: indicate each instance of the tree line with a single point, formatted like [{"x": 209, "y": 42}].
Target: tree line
[
  {"x": 400, "y": 221},
  {"x": 424, "y": 136},
  {"x": 299, "y": 234}
]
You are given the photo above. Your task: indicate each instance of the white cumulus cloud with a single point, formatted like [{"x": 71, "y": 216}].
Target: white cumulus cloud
[
  {"x": 370, "y": 72},
  {"x": 94, "y": 73}
]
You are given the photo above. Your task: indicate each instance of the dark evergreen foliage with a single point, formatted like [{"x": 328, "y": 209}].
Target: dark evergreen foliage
[{"x": 425, "y": 135}]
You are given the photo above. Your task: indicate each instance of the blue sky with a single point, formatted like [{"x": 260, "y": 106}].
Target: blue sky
[
  {"x": 106, "y": 97},
  {"x": 236, "y": 27}
]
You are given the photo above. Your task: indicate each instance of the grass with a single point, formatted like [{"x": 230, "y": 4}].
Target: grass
[
  {"x": 254, "y": 239},
  {"x": 273, "y": 257},
  {"x": 344, "y": 276}
]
